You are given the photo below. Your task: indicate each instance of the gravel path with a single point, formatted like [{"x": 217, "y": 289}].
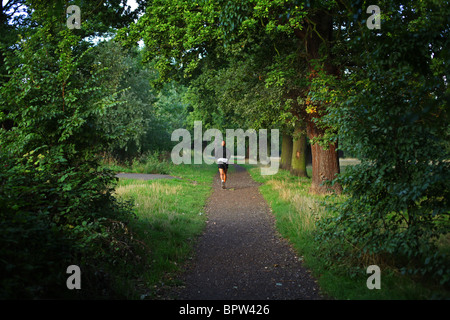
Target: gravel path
[{"x": 240, "y": 256}]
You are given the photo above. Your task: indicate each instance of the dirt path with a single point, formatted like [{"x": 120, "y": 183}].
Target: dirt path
[{"x": 240, "y": 256}]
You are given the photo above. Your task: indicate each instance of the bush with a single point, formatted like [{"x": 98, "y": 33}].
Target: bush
[
  {"x": 56, "y": 203},
  {"x": 55, "y": 216},
  {"x": 390, "y": 110},
  {"x": 397, "y": 204},
  {"x": 151, "y": 163}
]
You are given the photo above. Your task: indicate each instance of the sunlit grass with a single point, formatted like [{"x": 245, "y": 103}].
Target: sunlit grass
[
  {"x": 296, "y": 212},
  {"x": 301, "y": 201},
  {"x": 169, "y": 218},
  {"x": 148, "y": 197}
]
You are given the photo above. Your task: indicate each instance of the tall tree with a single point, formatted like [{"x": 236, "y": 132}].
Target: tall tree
[
  {"x": 56, "y": 200},
  {"x": 184, "y": 35},
  {"x": 298, "y": 157},
  {"x": 312, "y": 24},
  {"x": 391, "y": 108},
  {"x": 286, "y": 151}
]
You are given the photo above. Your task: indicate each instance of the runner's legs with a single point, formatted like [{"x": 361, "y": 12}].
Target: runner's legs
[{"x": 221, "y": 173}]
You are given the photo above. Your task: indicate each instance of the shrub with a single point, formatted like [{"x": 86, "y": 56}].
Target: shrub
[{"x": 56, "y": 203}]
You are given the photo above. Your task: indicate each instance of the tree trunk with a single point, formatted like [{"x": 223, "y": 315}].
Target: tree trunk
[
  {"x": 286, "y": 151},
  {"x": 317, "y": 37},
  {"x": 325, "y": 164},
  {"x": 298, "y": 162}
]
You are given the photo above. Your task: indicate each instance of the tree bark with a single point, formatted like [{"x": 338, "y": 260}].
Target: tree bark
[
  {"x": 325, "y": 164},
  {"x": 298, "y": 162},
  {"x": 286, "y": 151},
  {"x": 317, "y": 38}
]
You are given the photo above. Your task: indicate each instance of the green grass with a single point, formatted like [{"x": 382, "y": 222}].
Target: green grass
[
  {"x": 148, "y": 163},
  {"x": 296, "y": 212},
  {"x": 170, "y": 216}
]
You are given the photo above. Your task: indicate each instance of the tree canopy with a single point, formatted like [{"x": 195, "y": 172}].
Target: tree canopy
[
  {"x": 381, "y": 93},
  {"x": 313, "y": 69}
]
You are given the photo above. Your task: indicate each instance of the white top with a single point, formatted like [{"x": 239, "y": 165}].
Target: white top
[
  {"x": 222, "y": 155},
  {"x": 222, "y": 160}
]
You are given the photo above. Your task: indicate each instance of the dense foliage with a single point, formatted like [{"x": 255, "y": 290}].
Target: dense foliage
[
  {"x": 56, "y": 203},
  {"x": 391, "y": 109},
  {"x": 381, "y": 93},
  {"x": 305, "y": 67}
]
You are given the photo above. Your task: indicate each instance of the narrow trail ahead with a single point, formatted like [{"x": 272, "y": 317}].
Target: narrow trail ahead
[{"x": 240, "y": 256}]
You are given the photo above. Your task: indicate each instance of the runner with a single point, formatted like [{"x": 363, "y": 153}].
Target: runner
[{"x": 222, "y": 158}]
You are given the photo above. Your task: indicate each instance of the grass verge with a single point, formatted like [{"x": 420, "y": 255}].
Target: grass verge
[
  {"x": 169, "y": 217},
  {"x": 296, "y": 212}
]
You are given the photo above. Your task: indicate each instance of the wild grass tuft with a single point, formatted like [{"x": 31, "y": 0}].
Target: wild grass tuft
[{"x": 169, "y": 218}]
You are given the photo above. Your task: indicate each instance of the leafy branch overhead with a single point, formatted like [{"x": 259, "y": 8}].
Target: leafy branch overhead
[
  {"x": 382, "y": 94},
  {"x": 72, "y": 102}
]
